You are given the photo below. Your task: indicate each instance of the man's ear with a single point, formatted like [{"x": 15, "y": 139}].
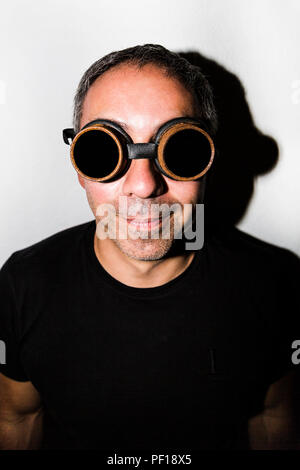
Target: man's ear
[{"x": 81, "y": 180}]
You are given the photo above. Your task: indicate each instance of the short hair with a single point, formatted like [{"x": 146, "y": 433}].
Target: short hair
[{"x": 190, "y": 76}]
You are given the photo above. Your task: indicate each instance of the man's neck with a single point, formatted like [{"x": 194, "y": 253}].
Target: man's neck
[{"x": 139, "y": 273}]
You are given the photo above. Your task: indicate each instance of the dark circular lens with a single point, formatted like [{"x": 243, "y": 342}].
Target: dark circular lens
[
  {"x": 187, "y": 153},
  {"x": 96, "y": 154}
]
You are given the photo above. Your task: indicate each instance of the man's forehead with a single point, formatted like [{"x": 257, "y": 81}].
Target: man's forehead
[
  {"x": 127, "y": 90},
  {"x": 121, "y": 74}
]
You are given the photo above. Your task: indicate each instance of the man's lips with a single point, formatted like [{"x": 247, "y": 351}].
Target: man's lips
[
  {"x": 146, "y": 223},
  {"x": 143, "y": 222}
]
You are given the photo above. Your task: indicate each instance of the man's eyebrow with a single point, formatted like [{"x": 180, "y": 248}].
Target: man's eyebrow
[
  {"x": 121, "y": 124},
  {"x": 115, "y": 121},
  {"x": 127, "y": 128}
]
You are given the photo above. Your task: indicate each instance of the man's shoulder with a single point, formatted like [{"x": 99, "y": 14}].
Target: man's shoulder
[
  {"x": 256, "y": 246},
  {"x": 245, "y": 249},
  {"x": 52, "y": 249}
]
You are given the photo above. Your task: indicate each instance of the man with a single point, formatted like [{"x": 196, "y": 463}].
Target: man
[{"x": 139, "y": 342}]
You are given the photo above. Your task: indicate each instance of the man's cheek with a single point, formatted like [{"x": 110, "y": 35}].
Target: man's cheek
[
  {"x": 96, "y": 193},
  {"x": 185, "y": 191}
]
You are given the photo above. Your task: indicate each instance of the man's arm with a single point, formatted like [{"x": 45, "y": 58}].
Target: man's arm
[
  {"x": 277, "y": 427},
  {"x": 21, "y": 415}
]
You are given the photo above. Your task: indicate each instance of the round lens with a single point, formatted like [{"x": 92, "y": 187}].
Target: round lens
[
  {"x": 96, "y": 154},
  {"x": 187, "y": 153}
]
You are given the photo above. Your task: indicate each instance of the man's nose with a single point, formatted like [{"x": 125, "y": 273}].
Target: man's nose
[{"x": 143, "y": 179}]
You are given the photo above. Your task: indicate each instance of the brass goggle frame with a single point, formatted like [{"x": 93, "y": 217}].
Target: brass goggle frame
[{"x": 127, "y": 150}]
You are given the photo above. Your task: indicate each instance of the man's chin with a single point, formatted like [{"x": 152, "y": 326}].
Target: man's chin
[{"x": 145, "y": 250}]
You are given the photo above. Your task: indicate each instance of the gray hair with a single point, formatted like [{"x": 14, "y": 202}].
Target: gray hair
[{"x": 190, "y": 76}]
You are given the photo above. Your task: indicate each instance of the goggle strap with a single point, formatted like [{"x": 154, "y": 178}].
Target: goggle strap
[
  {"x": 68, "y": 134},
  {"x": 142, "y": 150}
]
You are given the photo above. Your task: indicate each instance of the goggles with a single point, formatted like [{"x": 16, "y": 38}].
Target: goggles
[{"x": 102, "y": 151}]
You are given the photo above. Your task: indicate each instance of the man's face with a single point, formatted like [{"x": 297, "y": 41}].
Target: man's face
[{"x": 140, "y": 100}]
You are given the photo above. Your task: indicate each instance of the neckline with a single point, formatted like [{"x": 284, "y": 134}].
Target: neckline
[{"x": 140, "y": 292}]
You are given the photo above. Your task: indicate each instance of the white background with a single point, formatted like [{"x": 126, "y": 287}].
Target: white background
[{"x": 47, "y": 45}]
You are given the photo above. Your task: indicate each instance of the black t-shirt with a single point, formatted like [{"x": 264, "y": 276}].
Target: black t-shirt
[{"x": 183, "y": 365}]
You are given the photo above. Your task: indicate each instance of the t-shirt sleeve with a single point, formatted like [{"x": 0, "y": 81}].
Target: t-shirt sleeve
[{"x": 10, "y": 357}]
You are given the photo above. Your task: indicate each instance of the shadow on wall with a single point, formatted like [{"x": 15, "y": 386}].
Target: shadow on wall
[{"x": 243, "y": 152}]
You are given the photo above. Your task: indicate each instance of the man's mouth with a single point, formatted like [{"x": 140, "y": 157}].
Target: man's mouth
[{"x": 144, "y": 223}]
